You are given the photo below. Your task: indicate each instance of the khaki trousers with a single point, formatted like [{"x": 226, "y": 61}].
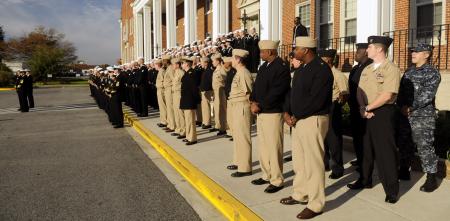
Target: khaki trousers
[
  {"x": 307, "y": 157},
  {"x": 180, "y": 127},
  {"x": 169, "y": 108},
  {"x": 220, "y": 109},
  {"x": 206, "y": 107},
  {"x": 270, "y": 143},
  {"x": 241, "y": 117},
  {"x": 162, "y": 106},
  {"x": 189, "y": 117},
  {"x": 229, "y": 116}
]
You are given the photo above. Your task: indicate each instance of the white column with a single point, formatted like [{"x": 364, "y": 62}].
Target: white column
[
  {"x": 122, "y": 57},
  {"x": 171, "y": 26},
  {"x": 139, "y": 35},
  {"x": 270, "y": 19},
  {"x": 190, "y": 21},
  {"x": 148, "y": 55},
  {"x": 220, "y": 17},
  {"x": 157, "y": 27},
  {"x": 366, "y": 11}
]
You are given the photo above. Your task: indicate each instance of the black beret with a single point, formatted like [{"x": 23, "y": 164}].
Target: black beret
[
  {"x": 329, "y": 53},
  {"x": 387, "y": 41}
]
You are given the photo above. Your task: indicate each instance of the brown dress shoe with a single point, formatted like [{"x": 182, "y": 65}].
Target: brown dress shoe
[{"x": 307, "y": 214}]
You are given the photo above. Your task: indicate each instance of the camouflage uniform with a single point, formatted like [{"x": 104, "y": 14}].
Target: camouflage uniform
[{"x": 417, "y": 90}]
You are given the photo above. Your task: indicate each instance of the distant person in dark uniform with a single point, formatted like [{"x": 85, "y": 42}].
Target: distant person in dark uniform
[
  {"x": 357, "y": 122},
  {"x": 21, "y": 91},
  {"x": 142, "y": 84},
  {"x": 29, "y": 88},
  {"x": 299, "y": 30}
]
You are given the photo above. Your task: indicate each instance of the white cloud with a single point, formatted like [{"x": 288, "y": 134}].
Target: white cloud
[{"x": 91, "y": 25}]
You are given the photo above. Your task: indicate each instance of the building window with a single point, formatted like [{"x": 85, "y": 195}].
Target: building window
[
  {"x": 429, "y": 17},
  {"x": 350, "y": 21},
  {"x": 326, "y": 23},
  {"x": 303, "y": 11}
]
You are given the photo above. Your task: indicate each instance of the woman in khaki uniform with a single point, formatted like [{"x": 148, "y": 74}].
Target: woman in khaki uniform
[
  {"x": 168, "y": 96},
  {"x": 180, "y": 128},
  {"x": 241, "y": 88},
  {"x": 220, "y": 102},
  {"x": 160, "y": 93}
]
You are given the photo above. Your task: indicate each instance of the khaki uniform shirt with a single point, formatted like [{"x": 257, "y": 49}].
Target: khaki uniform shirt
[
  {"x": 219, "y": 77},
  {"x": 176, "y": 80},
  {"x": 160, "y": 79},
  {"x": 340, "y": 84},
  {"x": 374, "y": 81},
  {"x": 168, "y": 77},
  {"x": 241, "y": 86}
]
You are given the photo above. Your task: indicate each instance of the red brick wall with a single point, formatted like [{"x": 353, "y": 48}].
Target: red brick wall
[
  {"x": 447, "y": 14},
  {"x": 288, "y": 18},
  {"x": 337, "y": 19},
  {"x": 312, "y": 31},
  {"x": 180, "y": 24},
  {"x": 235, "y": 14},
  {"x": 401, "y": 14},
  {"x": 204, "y": 21},
  {"x": 126, "y": 15}
]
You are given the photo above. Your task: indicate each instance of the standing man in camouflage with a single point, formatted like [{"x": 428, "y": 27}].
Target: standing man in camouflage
[{"x": 416, "y": 97}]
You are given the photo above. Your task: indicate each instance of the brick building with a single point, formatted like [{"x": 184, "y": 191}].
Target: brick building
[{"x": 336, "y": 24}]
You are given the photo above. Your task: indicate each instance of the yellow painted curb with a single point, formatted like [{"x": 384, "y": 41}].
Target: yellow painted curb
[
  {"x": 226, "y": 203},
  {"x": 6, "y": 89}
]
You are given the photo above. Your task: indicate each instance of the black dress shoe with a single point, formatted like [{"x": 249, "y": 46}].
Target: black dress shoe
[
  {"x": 206, "y": 126},
  {"x": 198, "y": 124},
  {"x": 221, "y": 133},
  {"x": 231, "y": 139},
  {"x": 185, "y": 140},
  {"x": 260, "y": 181},
  {"x": 161, "y": 125},
  {"x": 170, "y": 131},
  {"x": 391, "y": 199},
  {"x": 143, "y": 115},
  {"x": 358, "y": 185},
  {"x": 232, "y": 167},
  {"x": 335, "y": 176},
  {"x": 189, "y": 143},
  {"x": 181, "y": 137},
  {"x": 307, "y": 214},
  {"x": 273, "y": 189},
  {"x": 175, "y": 134},
  {"x": 213, "y": 130},
  {"x": 287, "y": 159},
  {"x": 118, "y": 126},
  {"x": 241, "y": 174}
]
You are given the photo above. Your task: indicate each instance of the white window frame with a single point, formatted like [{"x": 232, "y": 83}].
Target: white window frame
[
  {"x": 413, "y": 16},
  {"x": 330, "y": 21},
  {"x": 343, "y": 19}
]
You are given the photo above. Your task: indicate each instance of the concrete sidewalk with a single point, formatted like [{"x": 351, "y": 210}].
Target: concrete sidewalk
[{"x": 212, "y": 154}]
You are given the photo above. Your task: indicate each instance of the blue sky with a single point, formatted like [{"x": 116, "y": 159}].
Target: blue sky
[{"x": 91, "y": 25}]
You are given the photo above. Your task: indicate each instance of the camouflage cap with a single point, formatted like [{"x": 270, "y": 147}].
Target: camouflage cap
[{"x": 422, "y": 47}]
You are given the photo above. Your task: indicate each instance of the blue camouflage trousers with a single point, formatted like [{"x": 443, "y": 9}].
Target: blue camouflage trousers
[{"x": 422, "y": 129}]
